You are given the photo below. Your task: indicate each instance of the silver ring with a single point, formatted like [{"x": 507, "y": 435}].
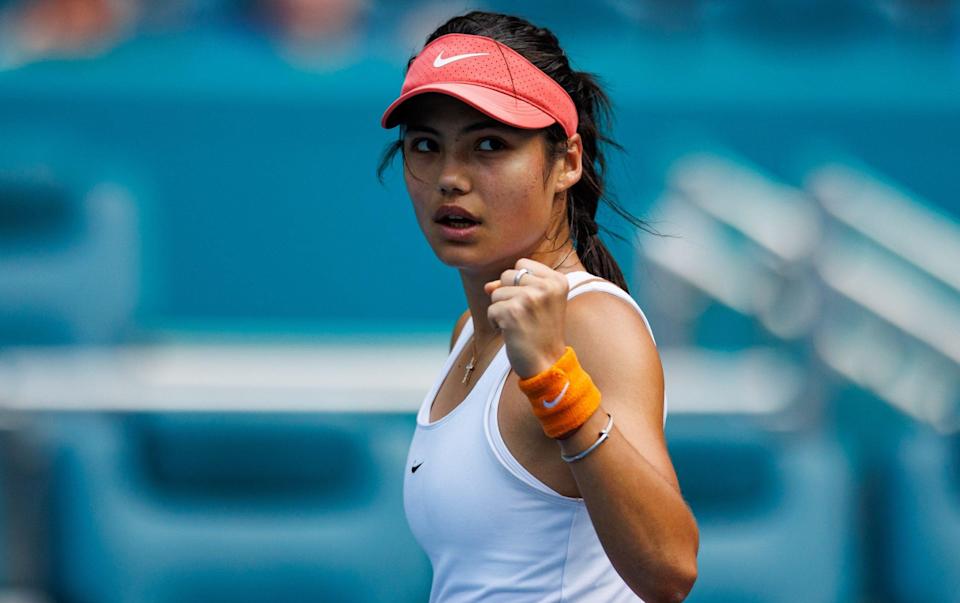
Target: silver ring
[{"x": 516, "y": 279}]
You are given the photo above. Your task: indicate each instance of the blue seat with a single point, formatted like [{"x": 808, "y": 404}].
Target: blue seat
[
  {"x": 255, "y": 507},
  {"x": 69, "y": 247},
  {"x": 775, "y": 510},
  {"x": 923, "y": 518}
]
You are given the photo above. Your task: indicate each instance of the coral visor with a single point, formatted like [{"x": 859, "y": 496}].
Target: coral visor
[{"x": 490, "y": 77}]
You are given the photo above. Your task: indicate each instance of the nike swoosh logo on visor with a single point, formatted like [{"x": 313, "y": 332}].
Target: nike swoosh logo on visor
[
  {"x": 556, "y": 400},
  {"x": 440, "y": 61}
]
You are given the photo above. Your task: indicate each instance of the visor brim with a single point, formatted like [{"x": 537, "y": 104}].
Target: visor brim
[{"x": 498, "y": 105}]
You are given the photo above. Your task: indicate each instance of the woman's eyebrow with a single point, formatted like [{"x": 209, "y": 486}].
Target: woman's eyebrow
[
  {"x": 421, "y": 128},
  {"x": 480, "y": 125},
  {"x": 484, "y": 125}
]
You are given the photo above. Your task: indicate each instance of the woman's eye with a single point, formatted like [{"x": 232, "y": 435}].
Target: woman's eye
[
  {"x": 423, "y": 145},
  {"x": 491, "y": 144}
]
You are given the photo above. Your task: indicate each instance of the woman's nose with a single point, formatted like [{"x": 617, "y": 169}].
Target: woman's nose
[{"x": 453, "y": 177}]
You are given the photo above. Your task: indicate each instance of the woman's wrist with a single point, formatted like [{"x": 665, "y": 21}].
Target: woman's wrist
[
  {"x": 584, "y": 436},
  {"x": 544, "y": 363},
  {"x": 563, "y": 397}
]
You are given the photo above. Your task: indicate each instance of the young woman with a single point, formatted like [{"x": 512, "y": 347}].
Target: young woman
[{"x": 538, "y": 470}]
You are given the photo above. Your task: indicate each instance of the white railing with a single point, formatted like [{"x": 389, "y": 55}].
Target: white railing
[{"x": 863, "y": 271}]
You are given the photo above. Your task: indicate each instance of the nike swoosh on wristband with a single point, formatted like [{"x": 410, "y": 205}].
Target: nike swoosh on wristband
[
  {"x": 440, "y": 61},
  {"x": 556, "y": 400}
]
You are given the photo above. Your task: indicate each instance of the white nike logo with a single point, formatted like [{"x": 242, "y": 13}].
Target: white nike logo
[
  {"x": 440, "y": 61},
  {"x": 556, "y": 400}
]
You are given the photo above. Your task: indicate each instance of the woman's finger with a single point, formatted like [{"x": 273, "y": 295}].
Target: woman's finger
[
  {"x": 533, "y": 266},
  {"x": 517, "y": 278},
  {"x": 504, "y": 293},
  {"x": 492, "y": 286}
]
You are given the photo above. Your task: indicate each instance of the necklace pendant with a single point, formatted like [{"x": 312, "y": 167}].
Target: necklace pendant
[{"x": 467, "y": 371}]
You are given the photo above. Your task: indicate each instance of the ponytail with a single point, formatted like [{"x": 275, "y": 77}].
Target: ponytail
[{"x": 595, "y": 114}]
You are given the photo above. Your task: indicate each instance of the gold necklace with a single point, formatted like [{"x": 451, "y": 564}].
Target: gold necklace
[{"x": 468, "y": 370}]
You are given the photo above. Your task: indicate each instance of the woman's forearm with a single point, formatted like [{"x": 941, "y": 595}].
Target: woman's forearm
[{"x": 646, "y": 528}]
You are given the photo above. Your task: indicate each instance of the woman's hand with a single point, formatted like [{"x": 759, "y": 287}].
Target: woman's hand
[{"x": 530, "y": 315}]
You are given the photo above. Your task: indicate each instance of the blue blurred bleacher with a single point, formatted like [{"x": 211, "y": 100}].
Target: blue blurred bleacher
[
  {"x": 923, "y": 515},
  {"x": 766, "y": 500},
  {"x": 241, "y": 507},
  {"x": 69, "y": 252}
]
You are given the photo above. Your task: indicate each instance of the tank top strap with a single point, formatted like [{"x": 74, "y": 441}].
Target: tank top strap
[
  {"x": 579, "y": 278},
  {"x": 463, "y": 337}
]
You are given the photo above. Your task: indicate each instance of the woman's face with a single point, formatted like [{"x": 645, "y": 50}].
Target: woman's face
[{"x": 484, "y": 193}]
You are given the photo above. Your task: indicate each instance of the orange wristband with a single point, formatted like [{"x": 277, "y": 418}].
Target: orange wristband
[{"x": 563, "y": 397}]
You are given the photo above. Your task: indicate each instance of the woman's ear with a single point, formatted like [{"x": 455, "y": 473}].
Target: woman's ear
[{"x": 572, "y": 166}]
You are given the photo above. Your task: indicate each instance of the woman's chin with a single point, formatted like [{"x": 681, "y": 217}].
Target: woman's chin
[
  {"x": 474, "y": 259},
  {"x": 460, "y": 262},
  {"x": 487, "y": 267},
  {"x": 462, "y": 257}
]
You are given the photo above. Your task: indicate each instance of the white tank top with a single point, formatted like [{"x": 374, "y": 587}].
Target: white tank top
[{"x": 493, "y": 531}]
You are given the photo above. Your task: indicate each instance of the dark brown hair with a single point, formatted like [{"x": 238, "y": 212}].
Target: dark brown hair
[{"x": 541, "y": 47}]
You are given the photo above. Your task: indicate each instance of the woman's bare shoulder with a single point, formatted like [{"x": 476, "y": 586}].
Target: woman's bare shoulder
[
  {"x": 603, "y": 320},
  {"x": 615, "y": 346}
]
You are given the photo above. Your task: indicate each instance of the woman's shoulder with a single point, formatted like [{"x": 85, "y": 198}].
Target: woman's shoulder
[
  {"x": 616, "y": 347},
  {"x": 600, "y": 307}
]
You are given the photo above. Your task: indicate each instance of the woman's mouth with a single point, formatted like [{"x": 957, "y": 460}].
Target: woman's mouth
[
  {"x": 455, "y": 222},
  {"x": 458, "y": 229}
]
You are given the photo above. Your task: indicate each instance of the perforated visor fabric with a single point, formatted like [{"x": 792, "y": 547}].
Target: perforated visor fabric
[{"x": 490, "y": 77}]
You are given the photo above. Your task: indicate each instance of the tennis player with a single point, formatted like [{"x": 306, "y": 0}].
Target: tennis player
[{"x": 538, "y": 470}]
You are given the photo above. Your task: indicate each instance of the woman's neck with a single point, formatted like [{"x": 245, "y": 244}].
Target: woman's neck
[{"x": 478, "y": 302}]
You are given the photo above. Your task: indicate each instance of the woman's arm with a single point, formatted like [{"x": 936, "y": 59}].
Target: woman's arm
[{"x": 628, "y": 483}]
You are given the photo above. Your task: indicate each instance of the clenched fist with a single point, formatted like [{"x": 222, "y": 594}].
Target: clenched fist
[{"x": 530, "y": 315}]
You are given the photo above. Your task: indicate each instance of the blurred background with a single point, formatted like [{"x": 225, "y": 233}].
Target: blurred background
[{"x": 216, "y": 325}]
